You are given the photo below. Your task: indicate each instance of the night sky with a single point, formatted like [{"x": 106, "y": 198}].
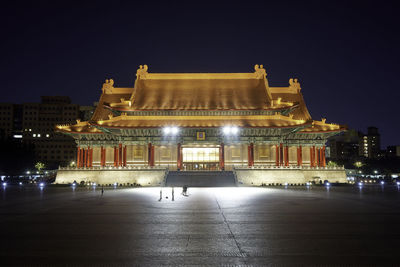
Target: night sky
[{"x": 345, "y": 54}]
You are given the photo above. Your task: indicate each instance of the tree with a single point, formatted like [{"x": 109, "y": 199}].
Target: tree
[
  {"x": 358, "y": 164},
  {"x": 332, "y": 164},
  {"x": 39, "y": 166}
]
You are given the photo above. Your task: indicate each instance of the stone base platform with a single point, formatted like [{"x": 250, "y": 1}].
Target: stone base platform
[
  {"x": 290, "y": 176},
  {"x": 244, "y": 176},
  {"x": 144, "y": 177}
]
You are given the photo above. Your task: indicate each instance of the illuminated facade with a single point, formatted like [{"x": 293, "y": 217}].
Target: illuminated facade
[{"x": 201, "y": 121}]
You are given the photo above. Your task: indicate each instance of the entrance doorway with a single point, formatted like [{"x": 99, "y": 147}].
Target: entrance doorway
[{"x": 200, "y": 158}]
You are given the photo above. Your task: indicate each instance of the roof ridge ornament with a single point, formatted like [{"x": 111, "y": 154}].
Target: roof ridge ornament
[
  {"x": 260, "y": 71},
  {"x": 142, "y": 72},
  {"x": 108, "y": 86},
  {"x": 294, "y": 83}
]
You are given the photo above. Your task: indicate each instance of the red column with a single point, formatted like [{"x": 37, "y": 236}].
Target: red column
[
  {"x": 311, "y": 157},
  {"x": 318, "y": 156},
  {"x": 179, "y": 157},
  {"x": 84, "y": 157},
  {"x": 115, "y": 156},
  {"x": 82, "y": 152},
  {"x": 101, "y": 156},
  {"x": 300, "y": 156},
  {"x": 152, "y": 156},
  {"x": 313, "y": 152},
  {"x": 222, "y": 157},
  {"x": 102, "y": 153},
  {"x": 105, "y": 157},
  {"x": 88, "y": 157},
  {"x": 78, "y": 157},
  {"x": 281, "y": 154},
  {"x": 120, "y": 159},
  {"x": 250, "y": 152},
  {"x": 124, "y": 156},
  {"x": 149, "y": 154},
  {"x": 277, "y": 155},
  {"x": 91, "y": 158},
  {"x": 323, "y": 157},
  {"x": 286, "y": 156}
]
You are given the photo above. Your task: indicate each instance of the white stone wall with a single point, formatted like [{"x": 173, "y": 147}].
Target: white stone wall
[
  {"x": 257, "y": 177},
  {"x": 142, "y": 177}
]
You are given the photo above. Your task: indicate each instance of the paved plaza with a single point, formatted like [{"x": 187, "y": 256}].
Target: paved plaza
[{"x": 211, "y": 226}]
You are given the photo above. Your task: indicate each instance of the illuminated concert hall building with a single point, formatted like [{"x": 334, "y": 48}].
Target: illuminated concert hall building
[{"x": 183, "y": 122}]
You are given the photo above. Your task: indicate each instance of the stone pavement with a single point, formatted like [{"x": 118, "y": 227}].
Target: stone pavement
[{"x": 59, "y": 226}]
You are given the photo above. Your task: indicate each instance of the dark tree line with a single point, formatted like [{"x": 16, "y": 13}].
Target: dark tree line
[{"x": 16, "y": 157}]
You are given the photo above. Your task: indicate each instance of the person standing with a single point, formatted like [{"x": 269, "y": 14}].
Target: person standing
[{"x": 173, "y": 194}]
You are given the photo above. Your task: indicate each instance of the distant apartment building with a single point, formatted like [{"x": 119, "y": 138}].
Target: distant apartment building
[
  {"x": 6, "y": 120},
  {"x": 370, "y": 144},
  {"x": 33, "y": 123}
]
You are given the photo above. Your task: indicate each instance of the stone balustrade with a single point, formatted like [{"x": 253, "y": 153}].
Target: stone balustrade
[{"x": 97, "y": 168}]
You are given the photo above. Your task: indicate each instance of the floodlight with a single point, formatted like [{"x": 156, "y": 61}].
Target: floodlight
[
  {"x": 167, "y": 130},
  {"x": 174, "y": 130},
  {"x": 226, "y": 130},
  {"x": 234, "y": 130}
]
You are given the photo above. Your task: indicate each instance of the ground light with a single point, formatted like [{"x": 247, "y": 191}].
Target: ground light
[
  {"x": 327, "y": 184},
  {"x": 20, "y": 183},
  {"x": 382, "y": 182},
  {"x": 4, "y": 184}
]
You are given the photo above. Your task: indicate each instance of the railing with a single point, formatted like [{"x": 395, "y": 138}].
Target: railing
[
  {"x": 122, "y": 168},
  {"x": 290, "y": 167},
  {"x": 235, "y": 167}
]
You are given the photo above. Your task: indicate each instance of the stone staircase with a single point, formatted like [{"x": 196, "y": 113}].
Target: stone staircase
[{"x": 200, "y": 178}]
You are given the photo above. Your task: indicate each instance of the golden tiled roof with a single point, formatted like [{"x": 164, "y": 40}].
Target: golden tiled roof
[
  {"x": 79, "y": 127},
  {"x": 292, "y": 93},
  {"x": 200, "y": 94},
  {"x": 322, "y": 126},
  {"x": 201, "y": 91}
]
